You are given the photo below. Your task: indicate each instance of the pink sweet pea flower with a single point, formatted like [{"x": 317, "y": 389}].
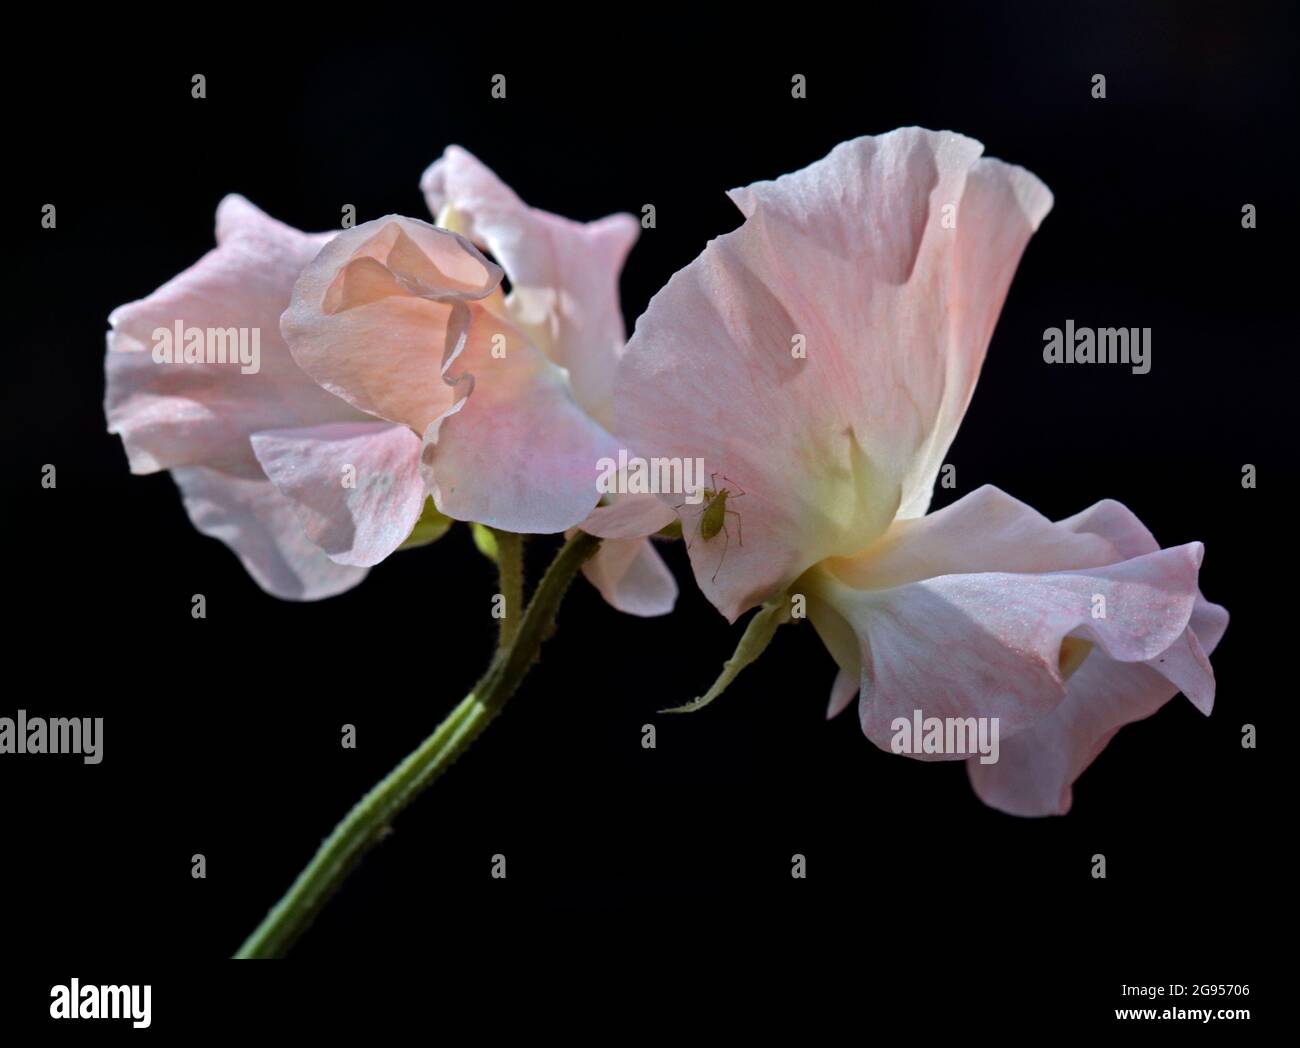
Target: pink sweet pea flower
[
  {"x": 310, "y": 482},
  {"x": 820, "y": 358},
  {"x": 564, "y": 298},
  {"x": 508, "y": 393},
  {"x": 203, "y": 418}
]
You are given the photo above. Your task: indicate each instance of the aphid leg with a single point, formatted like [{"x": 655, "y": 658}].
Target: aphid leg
[
  {"x": 738, "y": 493},
  {"x": 725, "y": 544},
  {"x": 740, "y": 524}
]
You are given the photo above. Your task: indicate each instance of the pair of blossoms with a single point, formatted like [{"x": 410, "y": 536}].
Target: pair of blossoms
[{"x": 391, "y": 348}]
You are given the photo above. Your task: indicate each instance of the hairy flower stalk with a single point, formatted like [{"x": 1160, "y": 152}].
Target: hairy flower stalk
[{"x": 365, "y": 824}]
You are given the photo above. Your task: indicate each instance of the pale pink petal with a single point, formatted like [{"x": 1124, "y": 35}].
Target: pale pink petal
[
  {"x": 563, "y": 274},
  {"x": 356, "y": 485},
  {"x": 632, "y": 577},
  {"x": 843, "y": 691},
  {"x": 628, "y": 516},
  {"x": 262, "y": 527},
  {"x": 894, "y": 309},
  {"x": 381, "y": 313},
  {"x": 171, "y": 414},
  {"x": 987, "y": 530},
  {"x": 1001, "y": 207},
  {"x": 516, "y": 452},
  {"x": 198, "y": 418},
  {"x": 990, "y": 644},
  {"x": 837, "y": 633},
  {"x": 390, "y": 317},
  {"x": 1186, "y": 664},
  {"x": 627, "y": 569},
  {"x": 1037, "y": 767},
  {"x": 1117, "y": 524}
]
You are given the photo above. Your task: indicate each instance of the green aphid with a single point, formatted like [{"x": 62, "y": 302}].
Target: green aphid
[{"x": 713, "y": 518}]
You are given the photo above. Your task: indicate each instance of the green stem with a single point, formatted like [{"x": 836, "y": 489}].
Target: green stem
[
  {"x": 510, "y": 566},
  {"x": 367, "y": 822}
]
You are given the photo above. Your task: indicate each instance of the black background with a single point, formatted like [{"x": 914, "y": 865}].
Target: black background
[{"x": 222, "y": 735}]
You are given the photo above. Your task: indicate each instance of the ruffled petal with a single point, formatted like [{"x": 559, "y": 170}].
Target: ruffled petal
[
  {"x": 563, "y": 274},
  {"x": 1185, "y": 664},
  {"x": 966, "y": 613},
  {"x": 175, "y": 413},
  {"x": 515, "y": 452},
  {"x": 392, "y": 317},
  {"x": 356, "y": 485},
  {"x": 262, "y": 528},
  {"x": 381, "y": 313},
  {"x": 820, "y": 357},
  {"x": 987, "y": 530},
  {"x": 1037, "y": 767}
]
